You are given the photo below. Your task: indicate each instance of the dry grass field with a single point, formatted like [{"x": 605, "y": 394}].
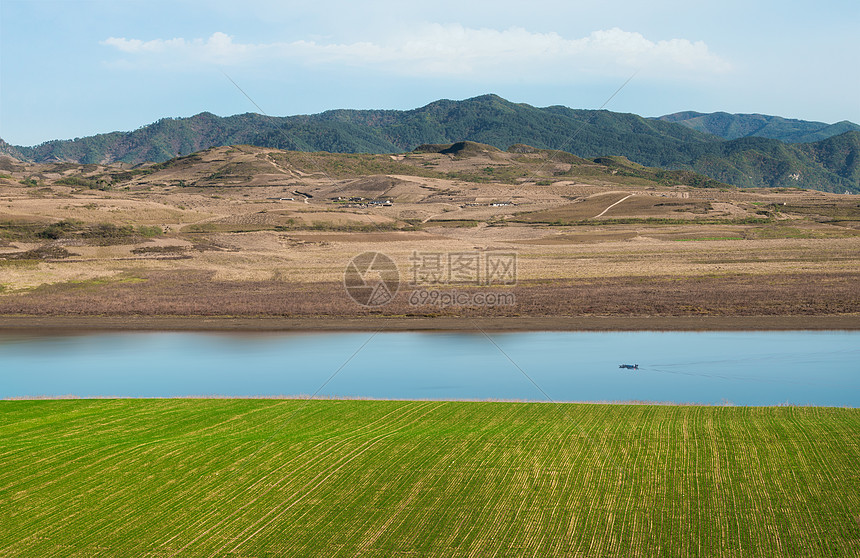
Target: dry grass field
[{"x": 247, "y": 231}]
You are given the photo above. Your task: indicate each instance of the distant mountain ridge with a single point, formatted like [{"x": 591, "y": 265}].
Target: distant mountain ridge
[
  {"x": 831, "y": 165},
  {"x": 734, "y": 126},
  {"x": 11, "y": 150},
  {"x": 748, "y": 161},
  {"x": 486, "y": 119}
]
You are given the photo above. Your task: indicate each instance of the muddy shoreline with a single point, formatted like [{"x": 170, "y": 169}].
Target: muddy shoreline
[{"x": 10, "y": 324}]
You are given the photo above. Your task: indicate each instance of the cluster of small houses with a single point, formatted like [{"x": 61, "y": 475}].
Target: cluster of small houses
[
  {"x": 491, "y": 204},
  {"x": 360, "y": 202},
  {"x": 357, "y": 202}
]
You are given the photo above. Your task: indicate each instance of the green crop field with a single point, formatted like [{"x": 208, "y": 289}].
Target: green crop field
[{"x": 421, "y": 478}]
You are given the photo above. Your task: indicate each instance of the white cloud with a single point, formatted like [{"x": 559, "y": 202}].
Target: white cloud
[
  {"x": 218, "y": 48},
  {"x": 452, "y": 51}
]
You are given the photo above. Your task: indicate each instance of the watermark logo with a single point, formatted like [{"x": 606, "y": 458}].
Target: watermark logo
[
  {"x": 469, "y": 268},
  {"x": 449, "y": 298},
  {"x": 371, "y": 279}
]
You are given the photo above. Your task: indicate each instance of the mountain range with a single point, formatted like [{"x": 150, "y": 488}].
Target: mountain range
[
  {"x": 725, "y": 147},
  {"x": 734, "y": 126}
]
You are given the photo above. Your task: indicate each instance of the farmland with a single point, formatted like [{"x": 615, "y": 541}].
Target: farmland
[
  {"x": 425, "y": 478},
  {"x": 260, "y": 233}
]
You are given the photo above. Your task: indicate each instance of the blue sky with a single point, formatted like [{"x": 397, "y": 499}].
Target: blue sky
[{"x": 76, "y": 68}]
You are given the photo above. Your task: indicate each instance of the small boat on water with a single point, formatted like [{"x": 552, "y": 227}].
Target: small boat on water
[{"x": 629, "y": 366}]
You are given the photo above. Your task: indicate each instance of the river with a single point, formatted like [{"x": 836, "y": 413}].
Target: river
[{"x": 740, "y": 368}]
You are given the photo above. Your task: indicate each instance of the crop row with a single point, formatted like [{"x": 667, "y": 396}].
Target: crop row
[{"x": 429, "y": 478}]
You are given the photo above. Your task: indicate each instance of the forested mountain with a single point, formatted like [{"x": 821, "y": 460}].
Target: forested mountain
[
  {"x": 830, "y": 164},
  {"x": 734, "y": 126}
]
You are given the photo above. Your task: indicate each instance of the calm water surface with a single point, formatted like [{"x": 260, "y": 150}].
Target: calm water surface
[{"x": 743, "y": 368}]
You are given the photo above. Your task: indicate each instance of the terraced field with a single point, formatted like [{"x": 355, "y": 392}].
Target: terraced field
[{"x": 422, "y": 478}]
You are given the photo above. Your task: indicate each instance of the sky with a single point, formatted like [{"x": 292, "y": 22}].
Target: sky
[{"x": 75, "y": 68}]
